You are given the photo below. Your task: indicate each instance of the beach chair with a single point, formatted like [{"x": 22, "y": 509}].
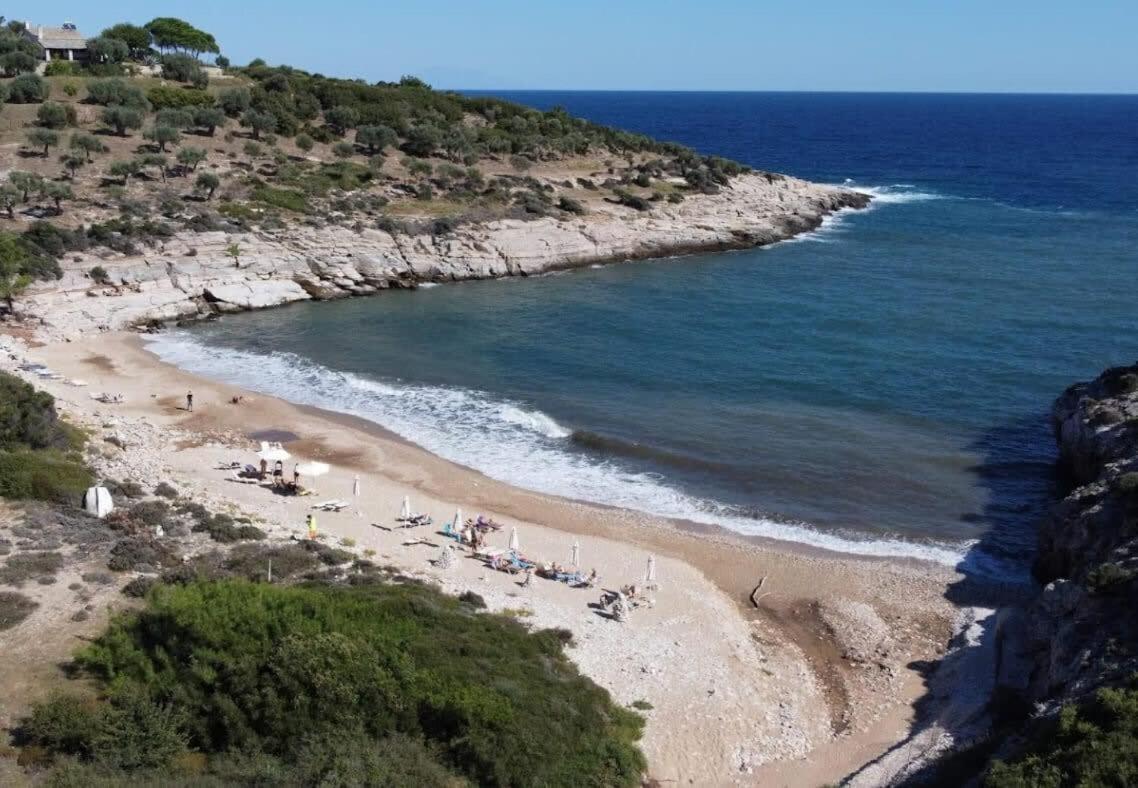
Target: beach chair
[{"x": 235, "y": 476}]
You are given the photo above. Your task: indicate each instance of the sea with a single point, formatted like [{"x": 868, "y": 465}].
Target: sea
[{"x": 880, "y": 386}]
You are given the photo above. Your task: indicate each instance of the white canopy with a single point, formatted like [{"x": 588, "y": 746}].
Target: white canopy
[
  {"x": 514, "y": 544},
  {"x": 356, "y": 486},
  {"x": 650, "y": 575},
  {"x": 273, "y": 452},
  {"x": 405, "y": 509},
  {"x": 313, "y": 468},
  {"x": 457, "y": 525}
]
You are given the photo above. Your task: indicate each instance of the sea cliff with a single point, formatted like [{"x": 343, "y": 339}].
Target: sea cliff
[{"x": 193, "y": 275}]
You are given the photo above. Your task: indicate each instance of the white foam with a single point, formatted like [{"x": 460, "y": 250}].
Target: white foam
[
  {"x": 504, "y": 440},
  {"x": 424, "y": 285},
  {"x": 533, "y": 420},
  {"x": 895, "y": 194}
]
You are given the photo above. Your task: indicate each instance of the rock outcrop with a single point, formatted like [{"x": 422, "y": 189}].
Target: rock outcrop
[
  {"x": 194, "y": 274},
  {"x": 1082, "y": 629}
]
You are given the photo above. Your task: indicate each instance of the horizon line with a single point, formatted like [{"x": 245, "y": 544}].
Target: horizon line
[{"x": 783, "y": 90}]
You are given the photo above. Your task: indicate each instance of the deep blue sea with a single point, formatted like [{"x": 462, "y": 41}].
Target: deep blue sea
[{"x": 880, "y": 386}]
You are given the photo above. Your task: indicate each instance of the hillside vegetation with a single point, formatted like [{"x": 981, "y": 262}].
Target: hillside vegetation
[
  {"x": 142, "y": 142},
  {"x": 221, "y": 683}
]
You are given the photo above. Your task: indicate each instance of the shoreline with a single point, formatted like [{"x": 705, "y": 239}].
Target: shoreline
[
  {"x": 191, "y": 276},
  {"x": 828, "y": 657}
]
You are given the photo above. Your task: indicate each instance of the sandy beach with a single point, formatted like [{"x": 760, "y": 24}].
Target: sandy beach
[{"x": 798, "y": 683}]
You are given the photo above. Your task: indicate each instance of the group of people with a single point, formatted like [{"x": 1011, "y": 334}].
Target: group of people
[{"x": 278, "y": 475}]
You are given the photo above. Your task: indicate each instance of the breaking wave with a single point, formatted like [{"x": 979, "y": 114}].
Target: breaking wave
[{"x": 511, "y": 442}]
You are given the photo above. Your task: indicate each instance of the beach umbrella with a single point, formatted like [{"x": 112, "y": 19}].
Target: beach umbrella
[
  {"x": 575, "y": 555},
  {"x": 273, "y": 453},
  {"x": 457, "y": 520},
  {"x": 650, "y": 575},
  {"x": 514, "y": 545},
  {"x": 312, "y": 468},
  {"x": 405, "y": 509},
  {"x": 356, "y": 486}
]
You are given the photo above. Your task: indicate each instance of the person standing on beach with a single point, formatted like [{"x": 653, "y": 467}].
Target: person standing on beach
[
  {"x": 190, "y": 401},
  {"x": 310, "y": 521}
]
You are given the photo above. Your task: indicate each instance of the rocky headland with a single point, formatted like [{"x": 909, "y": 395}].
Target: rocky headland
[{"x": 195, "y": 274}]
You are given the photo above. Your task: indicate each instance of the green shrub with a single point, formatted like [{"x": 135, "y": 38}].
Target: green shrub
[
  {"x": 399, "y": 685},
  {"x": 167, "y": 97},
  {"x": 116, "y": 92},
  {"x": 60, "y": 68},
  {"x": 1093, "y": 743},
  {"x": 99, "y": 275},
  {"x": 45, "y": 475},
  {"x": 165, "y": 490},
  {"x": 28, "y": 89},
  {"x": 53, "y": 115},
  {"x": 281, "y": 198}
]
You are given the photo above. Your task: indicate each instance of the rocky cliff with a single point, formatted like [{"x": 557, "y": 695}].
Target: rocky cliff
[
  {"x": 194, "y": 274},
  {"x": 1082, "y": 628}
]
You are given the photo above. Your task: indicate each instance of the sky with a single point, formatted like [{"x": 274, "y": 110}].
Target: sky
[{"x": 872, "y": 45}]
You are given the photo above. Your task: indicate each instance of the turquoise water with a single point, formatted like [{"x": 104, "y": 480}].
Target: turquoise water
[{"x": 880, "y": 386}]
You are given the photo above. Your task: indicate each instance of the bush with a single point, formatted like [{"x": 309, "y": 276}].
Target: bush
[
  {"x": 139, "y": 587},
  {"x": 1093, "y": 743},
  {"x": 14, "y": 608},
  {"x": 99, "y": 275},
  {"x": 22, "y": 567},
  {"x": 570, "y": 205},
  {"x": 281, "y": 198},
  {"x": 369, "y": 680},
  {"x": 44, "y": 475},
  {"x": 28, "y": 89},
  {"x": 234, "y": 101},
  {"x": 56, "y": 116},
  {"x": 150, "y": 513},
  {"x": 116, "y": 92},
  {"x": 164, "y": 490},
  {"x": 60, "y": 68},
  {"x": 140, "y": 551},
  {"x": 1109, "y": 578},
  {"x": 182, "y": 68},
  {"x": 304, "y": 142}
]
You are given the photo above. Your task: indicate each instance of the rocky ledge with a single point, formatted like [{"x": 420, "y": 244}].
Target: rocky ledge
[
  {"x": 193, "y": 274},
  {"x": 1083, "y": 631}
]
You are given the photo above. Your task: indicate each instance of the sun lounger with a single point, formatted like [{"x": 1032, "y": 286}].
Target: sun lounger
[
  {"x": 235, "y": 476},
  {"x": 331, "y": 506}
]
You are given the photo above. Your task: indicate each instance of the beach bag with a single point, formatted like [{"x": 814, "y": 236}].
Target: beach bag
[{"x": 97, "y": 501}]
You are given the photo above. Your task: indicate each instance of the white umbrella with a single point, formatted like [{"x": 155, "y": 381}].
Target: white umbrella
[
  {"x": 405, "y": 509},
  {"x": 457, "y": 520},
  {"x": 575, "y": 555},
  {"x": 514, "y": 545},
  {"x": 356, "y": 486},
  {"x": 650, "y": 575},
  {"x": 313, "y": 468},
  {"x": 273, "y": 453}
]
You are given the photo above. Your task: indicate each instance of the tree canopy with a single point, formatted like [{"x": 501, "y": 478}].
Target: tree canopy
[
  {"x": 136, "y": 38},
  {"x": 171, "y": 33}
]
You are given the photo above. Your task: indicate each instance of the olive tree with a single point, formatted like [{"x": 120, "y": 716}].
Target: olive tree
[
  {"x": 121, "y": 118},
  {"x": 207, "y": 182},
  {"x": 191, "y": 157},
  {"x": 209, "y": 118},
  {"x": 43, "y": 138},
  {"x": 87, "y": 144},
  {"x": 259, "y": 122},
  {"x": 163, "y": 136},
  {"x": 375, "y": 137}
]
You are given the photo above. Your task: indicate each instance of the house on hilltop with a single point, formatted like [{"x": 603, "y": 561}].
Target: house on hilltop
[{"x": 58, "y": 43}]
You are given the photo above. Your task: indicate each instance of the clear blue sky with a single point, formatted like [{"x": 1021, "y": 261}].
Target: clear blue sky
[{"x": 928, "y": 45}]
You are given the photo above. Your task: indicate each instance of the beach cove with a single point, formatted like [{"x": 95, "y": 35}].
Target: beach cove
[{"x": 815, "y": 680}]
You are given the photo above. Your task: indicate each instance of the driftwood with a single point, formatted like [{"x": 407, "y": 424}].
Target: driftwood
[{"x": 758, "y": 588}]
